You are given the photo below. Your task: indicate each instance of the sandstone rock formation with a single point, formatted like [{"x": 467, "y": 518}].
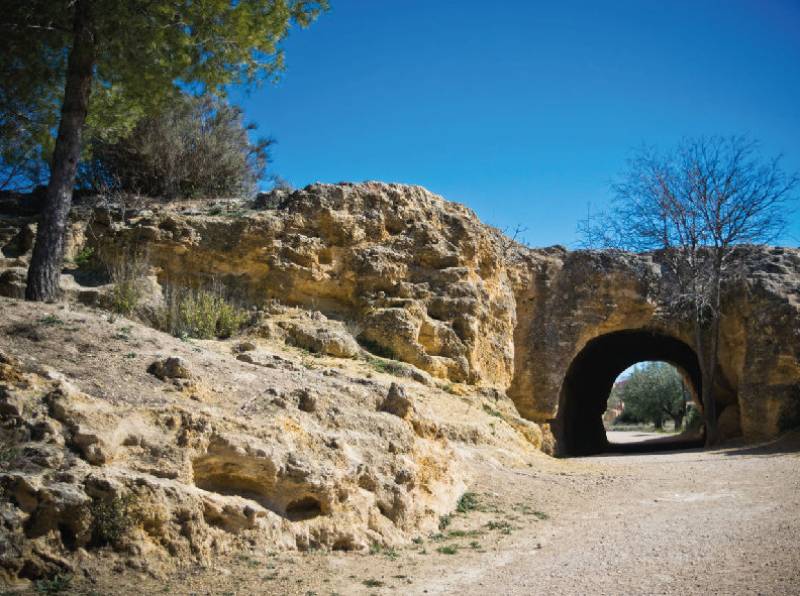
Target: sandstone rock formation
[
  {"x": 285, "y": 453},
  {"x": 391, "y": 332},
  {"x": 421, "y": 280}
]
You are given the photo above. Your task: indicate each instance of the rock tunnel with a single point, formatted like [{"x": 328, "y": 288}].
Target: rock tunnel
[{"x": 590, "y": 377}]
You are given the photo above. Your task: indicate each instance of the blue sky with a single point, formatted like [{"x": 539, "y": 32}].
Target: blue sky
[{"x": 525, "y": 110}]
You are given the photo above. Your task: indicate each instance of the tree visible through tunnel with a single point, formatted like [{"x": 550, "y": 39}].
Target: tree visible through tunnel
[
  {"x": 591, "y": 376},
  {"x": 649, "y": 396}
]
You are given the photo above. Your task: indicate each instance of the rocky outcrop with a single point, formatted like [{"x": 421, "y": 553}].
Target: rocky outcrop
[
  {"x": 418, "y": 279},
  {"x": 567, "y": 301},
  {"x": 422, "y": 279},
  {"x": 104, "y": 441},
  {"x": 390, "y": 332}
]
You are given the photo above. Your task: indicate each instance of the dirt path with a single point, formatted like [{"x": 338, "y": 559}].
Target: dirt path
[{"x": 695, "y": 522}]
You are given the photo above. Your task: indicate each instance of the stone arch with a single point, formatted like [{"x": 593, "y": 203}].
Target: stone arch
[{"x": 590, "y": 376}]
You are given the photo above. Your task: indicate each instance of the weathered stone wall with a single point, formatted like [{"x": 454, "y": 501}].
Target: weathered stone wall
[
  {"x": 419, "y": 278},
  {"x": 422, "y": 279},
  {"x": 565, "y": 300}
]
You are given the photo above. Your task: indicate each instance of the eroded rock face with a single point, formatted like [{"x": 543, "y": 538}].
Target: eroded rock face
[
  {"x": 419, "y": 279},
  {"x": 422, "y": 278},
  {"x": 295, "y": 437},
  {"x": 97, "y": 451},
  {"x": 565, "y": 300}
]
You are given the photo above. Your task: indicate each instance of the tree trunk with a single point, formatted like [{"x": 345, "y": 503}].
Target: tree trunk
[
  {"x": 678, "y": 420},
  {"x": 48, "y": 252},
  {"x": 709, "y": 403}
]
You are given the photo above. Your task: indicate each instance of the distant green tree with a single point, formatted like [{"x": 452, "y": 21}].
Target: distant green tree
[
  {"x": 655, "y": 392},
  {"x": 105, "y": 63}
]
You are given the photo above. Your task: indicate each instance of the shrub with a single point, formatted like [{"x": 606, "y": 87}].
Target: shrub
[
  {"x": 126, "y": 270},
  {"x": 8, "y": 455},
  {"x": 444, "y": 521},
  {"x": 200, "y": 313},
  {"x": 84, "y": 257},
  {"x": 467, "y": 502},
  {"x": 193, "y": 147},
  {"x": 54, "y": 585},
  {"x": 112, "y": 518}
]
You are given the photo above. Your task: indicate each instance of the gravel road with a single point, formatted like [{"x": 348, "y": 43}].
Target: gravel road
[{"x": 697, "y": 522}]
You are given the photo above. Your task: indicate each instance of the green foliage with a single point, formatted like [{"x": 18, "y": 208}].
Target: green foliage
[
  {"x": 8, "y": 455},
  {"x": 448, "y": 549},
  {"x": 385, "y": 366},
  {"x": 50, "y": 320},
  {"x": 445, "y": 521},
  {"x": 491, "y": 411},
  {"x": 468, "y": 502},
  {"x": 126, "y": 271},
  {"x": 191, "y": 147},
  {"x": 464, "y": 533},
  {"x": 53, "y": 585},
  {"x": 503, "y": 526},
  {"x": 84, "y": 256},
  {"x": 694, "y": 419},
  {"x": 125, "y": 296},
  {"x": 654, "y": 392},
  {"x": 145, "y": 54},
  {"x": 200, "y": 313},
  {"x": 112, "y": 518}
]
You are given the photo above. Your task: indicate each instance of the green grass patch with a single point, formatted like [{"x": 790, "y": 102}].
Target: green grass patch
[
  {"x": 385, "y": 366},
  {"x": 57, "y": 584},
  {"x": 50, "y": 321},
  {"x": 464, "y": 533},
  {"x": 491, "y": 411},
  {"x": 445, "y": 521},
  {"x": 467, "y": 502},
  {"x": 503, "y": 526},
  {"x": 84, "y": 256},
  {"x": 200, "y": 314}
]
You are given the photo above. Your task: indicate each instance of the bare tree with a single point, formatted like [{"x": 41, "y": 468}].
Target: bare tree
[{"x": 697, "y": 203}]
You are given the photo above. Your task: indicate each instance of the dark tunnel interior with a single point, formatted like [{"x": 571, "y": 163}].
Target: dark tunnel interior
[{"x": 584, "y": 394}]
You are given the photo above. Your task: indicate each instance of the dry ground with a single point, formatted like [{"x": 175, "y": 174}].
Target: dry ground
[{"x": 696, "y": 522}]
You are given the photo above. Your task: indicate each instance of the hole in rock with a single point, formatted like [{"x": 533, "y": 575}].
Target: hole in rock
[
  {"x": 255, "y": 479},
  {"x": 592, "y": 376},
  {"x": 302, "y": 509}
]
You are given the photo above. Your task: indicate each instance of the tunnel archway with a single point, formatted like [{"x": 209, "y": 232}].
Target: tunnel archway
[{"x": 587, "y": 384}]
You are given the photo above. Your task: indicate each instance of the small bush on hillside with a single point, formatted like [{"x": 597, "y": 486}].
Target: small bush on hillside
[
  {"x": 84, "y": 256},
  {"x": 468, "y": 502},
  {"x": 200, "y": 313},
  {"x": 8, "y": 455},
  {"x": 126, "y": 270},
  {"x": 112, "y": 518},
  {"x": 193, "y": 147},
  {"x": 54, "y": 585}
]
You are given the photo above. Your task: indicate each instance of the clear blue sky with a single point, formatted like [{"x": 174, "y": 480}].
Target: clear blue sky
[{"x": 526, "y": 110}]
